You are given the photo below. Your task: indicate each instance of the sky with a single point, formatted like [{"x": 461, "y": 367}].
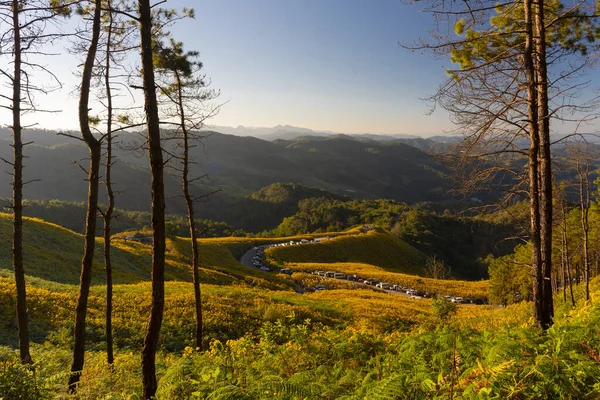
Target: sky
[
  {"x": 332, "y": 65},
  {"x": 322, "y": 64}
]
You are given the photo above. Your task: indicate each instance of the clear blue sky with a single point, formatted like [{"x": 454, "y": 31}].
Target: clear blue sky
[{"x": 321, "y": 64}]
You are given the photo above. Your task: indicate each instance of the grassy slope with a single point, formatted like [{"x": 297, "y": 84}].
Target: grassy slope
[
  {"x": 236, "y": 299},
  {"x": 376, "y": 248},
  {"x": 230, "y": 311},
  {"x": 53, "y": 253}
]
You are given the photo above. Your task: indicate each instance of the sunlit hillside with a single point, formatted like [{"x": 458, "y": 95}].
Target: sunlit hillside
[
  {"x": 231, "y": 291},
  {"x": 249, "y": 314},
  {"x": 375, "y": 247}
]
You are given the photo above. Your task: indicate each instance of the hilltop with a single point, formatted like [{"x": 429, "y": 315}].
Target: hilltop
[{"x": 376, "y": 247}]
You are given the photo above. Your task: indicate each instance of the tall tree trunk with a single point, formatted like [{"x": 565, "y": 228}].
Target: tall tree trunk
[
  {"x": 109, "y": 194},
  {"x": 158, "y": 203},
  {"x": 545, "y": 318},
  {"x": 17, "y": 248},
  {"x": 534, "y": 145},
  {"x": 92, "y": 204},
  {"x": 190, "y": 209}
]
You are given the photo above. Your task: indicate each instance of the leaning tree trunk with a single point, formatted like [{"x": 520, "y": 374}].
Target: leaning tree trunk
[
  {"x": 17, "y": 248},
  {"x": 158, "y": 203},
  {"x": 92, "y": 204},
  {"x": 534, "y": 145},
  {"x": 189, "y": 201},
  {"x": 110, "y": 195},
  {"x": 545, "y": 319}
]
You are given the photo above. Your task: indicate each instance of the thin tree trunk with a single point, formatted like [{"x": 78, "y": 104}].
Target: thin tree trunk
[
  {"x": 563, "y": 263},
  {"x": 570, "y": 277},
  {"x": 533, "y": 161},
  {"x": 158, "y": 203},
  {"x": 17, "y": 248},
  {"x": 92, "y": 204},
  {"x": 563, "y": 243},
  {"x": 190, "y": 208},
  {"x": 584, "y": 202},
  {"x": 109, "y": 193},
  {"x": 547, "y": 307}
]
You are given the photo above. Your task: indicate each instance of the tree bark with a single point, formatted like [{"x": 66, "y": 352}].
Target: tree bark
[
  {"x": 109, "y": 194},
  {"x": 17, "y": 245},
  {"x": 546, "y": 316},
  {"x": 534, "y": 145},
  {"x": 158, "y": 203},
  {"x": 92, "y": 204}
]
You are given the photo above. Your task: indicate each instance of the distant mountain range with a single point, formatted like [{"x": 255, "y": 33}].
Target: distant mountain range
[
  {"x": 239, "y": 166},
  {"x": 288, "y": 132}
]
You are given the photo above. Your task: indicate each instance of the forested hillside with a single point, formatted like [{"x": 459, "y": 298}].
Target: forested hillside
[{"x": 240, "y": 166}]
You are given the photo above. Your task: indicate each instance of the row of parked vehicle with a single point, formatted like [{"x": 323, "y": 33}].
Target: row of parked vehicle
[
  {"x": 291, "y": 243},
  {"x": 413, "y": 293},
  {"x": 374, "y": 282},
  {"x": 258, "y": 260}
]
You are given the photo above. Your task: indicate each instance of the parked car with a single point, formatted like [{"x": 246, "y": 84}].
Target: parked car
[
  {"x": 318, "y": 288},
  {"x": 383, "y": 285},
  {"x": 339, "y": 275},
  {"x": 330, "y": 274},
  {"x": 265, "y": 269},
  {"x": 286, "y": 271}
]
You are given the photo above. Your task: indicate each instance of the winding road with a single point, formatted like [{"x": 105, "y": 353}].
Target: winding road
[{"x": 248, "y": 257}]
